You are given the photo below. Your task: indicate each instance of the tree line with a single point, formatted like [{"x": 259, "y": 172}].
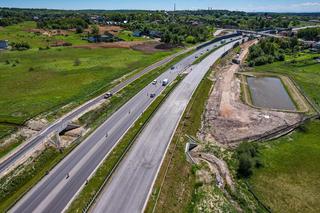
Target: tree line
[{"x": 269, "y": 50}]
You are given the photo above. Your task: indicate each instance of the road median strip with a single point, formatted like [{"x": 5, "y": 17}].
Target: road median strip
[{"x": 95, "y": 185}]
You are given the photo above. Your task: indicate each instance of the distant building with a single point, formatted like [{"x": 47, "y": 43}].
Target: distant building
[
  {"x": 4, "y": 44},
  {"x": 155, "y": 34},
  {"x": 137, "y": 33},
  {"x": 317, "y": 45},
  {"x": 103, "y": 38}
]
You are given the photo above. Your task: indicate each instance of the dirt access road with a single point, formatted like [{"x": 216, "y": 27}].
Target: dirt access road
[{"x": 228, "y": 120}]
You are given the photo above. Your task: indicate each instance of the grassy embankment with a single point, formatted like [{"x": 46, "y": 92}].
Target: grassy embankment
[
  {"x": 21, "y": 183},
  {"x": 290, "y": 177},
  {"x": 12, "y": 188}
]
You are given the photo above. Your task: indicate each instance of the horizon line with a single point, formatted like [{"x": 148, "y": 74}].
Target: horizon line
[{"x": 86, "y": 9}]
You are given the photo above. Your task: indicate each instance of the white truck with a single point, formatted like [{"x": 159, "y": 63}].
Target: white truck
[{"x": 165, "y": 82}]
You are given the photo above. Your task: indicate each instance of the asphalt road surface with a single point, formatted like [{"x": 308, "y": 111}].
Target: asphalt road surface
[
  {"x": 62, "y": 123},
  {"x": 131, "y": 184},
  {"x": 54, "y": 192}
]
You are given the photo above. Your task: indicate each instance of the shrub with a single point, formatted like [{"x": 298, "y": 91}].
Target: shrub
[
  {"x": 245, "y": 166},
  {"x": 20, "y": 46},
  {"x": 77, "y": 62},
  {"x": 247, "y": 155},
  {"x": 191, "y": 40}
]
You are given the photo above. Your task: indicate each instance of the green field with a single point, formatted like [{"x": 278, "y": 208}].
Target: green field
[
  {"x": 19, "y": 33},
  {"x": 32, "y": 82},
  {"x": 290, "y": 178}
]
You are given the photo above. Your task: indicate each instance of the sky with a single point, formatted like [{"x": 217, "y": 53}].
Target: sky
[{"x": 242, "y": 5}]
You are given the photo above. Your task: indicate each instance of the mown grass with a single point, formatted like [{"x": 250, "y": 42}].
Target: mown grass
[
  {"x": 290, "y": 178},
  {"x": 178, "y": 193},
  {"x": 110, "y": 163},
  {"x": 33, "y": 82}
]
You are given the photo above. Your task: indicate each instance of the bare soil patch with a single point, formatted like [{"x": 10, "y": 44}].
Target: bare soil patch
[
  {"x": 49, "y": 32},
  {"x": 114, "y": 30},
  {"x": 227, "y": 120},
  {"x": 150, "y": 47},
  {"x": 120, "y": 44},
  {"x": 144, "y": 46}
]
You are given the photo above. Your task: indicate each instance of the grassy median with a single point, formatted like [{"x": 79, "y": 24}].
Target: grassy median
[
  {"x": 177, "y": 191},
  {"x": 89, "y": 192}
]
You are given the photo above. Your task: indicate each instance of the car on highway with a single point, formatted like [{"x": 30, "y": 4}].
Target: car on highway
[
  {"x": 107, "y": 95},
  {"x": 152, "y": 95},
  {"x": 154, "y": 82},
  {"x": 165, "y": 82},
  {"x": 172, "y": 68},
  {"x": 196, "y": 56}
]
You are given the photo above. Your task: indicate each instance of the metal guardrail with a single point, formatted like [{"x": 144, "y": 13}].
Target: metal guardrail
[{"x": 219, "y": 39}]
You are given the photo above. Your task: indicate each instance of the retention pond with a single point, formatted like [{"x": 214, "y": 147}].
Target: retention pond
[{"x": 269, "y": 92}]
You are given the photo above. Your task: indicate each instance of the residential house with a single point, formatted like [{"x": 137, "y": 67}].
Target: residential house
[{"x": 4, "y": 44}]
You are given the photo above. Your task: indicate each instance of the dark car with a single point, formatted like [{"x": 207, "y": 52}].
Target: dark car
[
  {"x": 107, "y": 95},
  {"x": 152, "y": 95}
]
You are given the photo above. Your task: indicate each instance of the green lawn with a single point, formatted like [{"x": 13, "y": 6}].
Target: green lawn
[
  {"x": 290, "y": 178},
  {"x": 35, "y": 81}
]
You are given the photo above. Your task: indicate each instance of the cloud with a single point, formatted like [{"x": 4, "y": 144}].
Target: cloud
[
  {"x": 298, "y": 7},
  {"x": 307, "y": 4}
]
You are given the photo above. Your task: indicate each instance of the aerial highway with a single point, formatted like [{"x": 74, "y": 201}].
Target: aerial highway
[
  {"x": 62, "y": 123},
  {"x": 132, "y": 182},
  {"x": 55, "y": 191}
]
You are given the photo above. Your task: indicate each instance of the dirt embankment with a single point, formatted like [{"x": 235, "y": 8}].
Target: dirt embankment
[{"x": 227, "y": 120}]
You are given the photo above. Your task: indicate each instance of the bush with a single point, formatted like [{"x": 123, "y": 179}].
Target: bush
[
  {"x": 79, "y": 29},
  {"x": 20, "y": 46},
  {"x": 245, "y": 166},
  {"x": 247, "y": 155},
  {"x": 191, "y": 40},
  {"x": 77, "y": 62}
]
